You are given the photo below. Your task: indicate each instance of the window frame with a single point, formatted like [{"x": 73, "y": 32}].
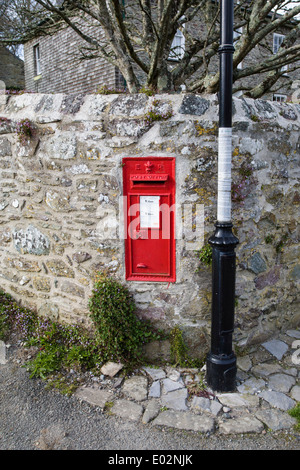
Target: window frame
[
  {"x": 236, "y": 35},
  {"x": 37, "y": 60},
  {"x": 175, "y": 56},
  {"x": 280, "y": 96},
  {"x": 275, "y": 50}
]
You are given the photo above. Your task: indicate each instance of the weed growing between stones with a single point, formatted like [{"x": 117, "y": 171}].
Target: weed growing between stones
[
  {"x": 106, "y": 90},
  {"x": 295, "y": 413},
  {"x": 148, "y": 90},
  {"x": 158, "y": 112},
  {"x": 205, "y": 255},
  {"x": 25, "y": 131}
]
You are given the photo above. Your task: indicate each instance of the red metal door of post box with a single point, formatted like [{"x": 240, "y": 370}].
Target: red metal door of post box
[{"x": 149, "y": 215}]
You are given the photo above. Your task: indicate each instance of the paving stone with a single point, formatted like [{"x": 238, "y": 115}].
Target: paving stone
[
  {"x": 295, "y": 392},
  {"x": 276, "y": 347},
  {"x": 154, "y": 390},
  {"x": 174, "y": 375},
  {"x": 291, "y": 371},
  {"x": 175, "y": 400},
  {"x": 94, "y": 396},
  {"x": 281, "y": 382},
  {"x": 233, "y": 400},
  {"x": 155, "y": 374},
  {"x": 215, "y": 407},
  {"x": 136, "y": 388},
  {"x": 151, "y": 411},
  {"x": 185, "y": 420},
  {"x": 275, "y": 419},
  {"x": 293, "y": 333},
  {"x": 169, "y": 385},
  {"x": 127, "y": 410},
  {"x": 278, "y": 400},
  {"x": 244, "y": 363},
  {"x": 242, "y": 425},
  {"x": 252, "y": 386},
  {"x": 200, "y": 403},
  {"x": 264, "y": 370},
  {"x": 205, "y": 404}
]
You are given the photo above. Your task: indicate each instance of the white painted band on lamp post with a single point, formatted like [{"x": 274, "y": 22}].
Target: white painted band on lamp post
[{"x": 224, "y": 174}]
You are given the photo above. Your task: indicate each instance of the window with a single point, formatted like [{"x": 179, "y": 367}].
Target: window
[
  {"x": 236, "y": 36},
  {"x": 277, "y": 41},
  {"x": 178, "y": 46},
  {"x": 279, "y": 98},
  {"x": 37, "y": 61}
]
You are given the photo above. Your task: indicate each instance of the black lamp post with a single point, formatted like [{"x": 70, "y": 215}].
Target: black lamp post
[{"x": 221, "y": 360}]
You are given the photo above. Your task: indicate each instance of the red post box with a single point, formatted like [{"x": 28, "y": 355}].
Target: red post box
[{"x": 149, "y": 216}]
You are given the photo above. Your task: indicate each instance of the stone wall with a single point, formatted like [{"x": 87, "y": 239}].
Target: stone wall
[{"x": 66, "y": 182}]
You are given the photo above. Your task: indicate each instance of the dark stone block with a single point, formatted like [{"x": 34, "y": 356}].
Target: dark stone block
[{"x": 192, "y": 104}]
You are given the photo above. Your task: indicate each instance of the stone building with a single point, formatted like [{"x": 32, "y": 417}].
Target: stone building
[
  {"x": 11, "y": 70},
  {"x": 54, "y": 64}
]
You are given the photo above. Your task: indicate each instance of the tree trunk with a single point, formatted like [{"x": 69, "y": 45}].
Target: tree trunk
[{"x": 264, "y": 86}]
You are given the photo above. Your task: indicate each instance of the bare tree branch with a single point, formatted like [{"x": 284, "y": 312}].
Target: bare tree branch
[{"x": 137, "y": 37}]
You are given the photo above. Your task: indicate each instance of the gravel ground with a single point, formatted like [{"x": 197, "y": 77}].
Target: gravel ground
[{"x": 33, "y": 418}]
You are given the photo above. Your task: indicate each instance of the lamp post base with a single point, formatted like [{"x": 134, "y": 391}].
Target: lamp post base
[
  {"x": 221, "y": 361},
  {"x": 221, "y": 372}
]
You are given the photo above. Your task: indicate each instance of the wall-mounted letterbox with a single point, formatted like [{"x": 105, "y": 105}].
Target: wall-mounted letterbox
[{"x": 149, "y": 216}]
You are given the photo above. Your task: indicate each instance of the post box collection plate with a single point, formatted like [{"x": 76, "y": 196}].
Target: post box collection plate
[{"x": 149, "y": 217}]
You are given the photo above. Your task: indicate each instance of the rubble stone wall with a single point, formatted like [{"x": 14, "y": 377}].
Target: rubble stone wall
[{"x": 66, "y": 182}]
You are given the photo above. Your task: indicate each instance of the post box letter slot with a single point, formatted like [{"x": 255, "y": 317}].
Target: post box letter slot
[
  {"x": 147, "y": 179},
  {"x": 153, "y": 178}
]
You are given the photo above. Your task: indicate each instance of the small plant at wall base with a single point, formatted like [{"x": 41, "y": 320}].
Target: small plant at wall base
[
  {"x": 15, "y": 319},
  {"x": 25, "y": 131},
  {"x": 55, "y": 347},
  {"x": 120, "y": 333},
  {"x": 295, "y": 413},
  {"x": 58, "y": 347}
]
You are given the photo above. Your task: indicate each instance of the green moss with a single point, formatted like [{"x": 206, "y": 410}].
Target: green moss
[{"x": 178, "y": 350}]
